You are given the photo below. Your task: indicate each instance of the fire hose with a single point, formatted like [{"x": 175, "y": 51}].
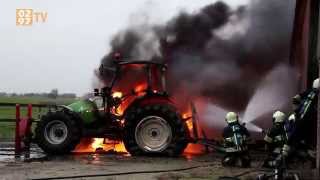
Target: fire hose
[{"x": 236, "y": 177}]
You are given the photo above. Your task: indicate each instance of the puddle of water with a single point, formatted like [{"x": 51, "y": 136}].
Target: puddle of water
[{"x": 8, "y": 155}]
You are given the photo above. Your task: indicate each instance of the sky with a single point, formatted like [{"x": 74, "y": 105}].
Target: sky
[{"x": 63, "y": 52}]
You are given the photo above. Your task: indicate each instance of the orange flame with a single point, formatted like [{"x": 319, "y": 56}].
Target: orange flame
[
  {"x": 189, "y": 125},
  {"x": 188, "y": 117},
  {"x": 139, "y": 89},
  {"x": 193, "y": 149},
  {"x": 91, "y": 145},
  {"x": 97, "y": 143},
  {"x": 117, "y": 94},
  {"x": 119, "y": 110}
]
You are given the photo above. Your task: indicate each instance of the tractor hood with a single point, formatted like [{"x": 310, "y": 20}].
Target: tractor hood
[{"x": 85, "y": 108}]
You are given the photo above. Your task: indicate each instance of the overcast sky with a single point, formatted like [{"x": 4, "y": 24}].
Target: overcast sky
[{"x": 63, "y": 52}]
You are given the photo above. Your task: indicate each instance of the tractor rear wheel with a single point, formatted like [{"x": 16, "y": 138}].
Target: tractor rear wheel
[
  {"x": 57, "y": 133},
  {"x": 155, "y": 129}
]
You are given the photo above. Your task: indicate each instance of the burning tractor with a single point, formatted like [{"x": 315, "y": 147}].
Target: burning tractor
[{"x": 149, "y": 125}]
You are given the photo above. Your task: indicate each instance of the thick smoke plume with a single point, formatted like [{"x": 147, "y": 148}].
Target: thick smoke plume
[{"x": 218, "y": 53}]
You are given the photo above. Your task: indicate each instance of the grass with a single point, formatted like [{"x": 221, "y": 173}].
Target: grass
[
  {"x": 35, "y": 100},
  {"x": 7, "y": 129}
]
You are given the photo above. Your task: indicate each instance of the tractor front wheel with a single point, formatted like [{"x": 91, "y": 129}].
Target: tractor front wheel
[
  {"x": 57, "y": 133},
  {"x": 155, "y": 130}
]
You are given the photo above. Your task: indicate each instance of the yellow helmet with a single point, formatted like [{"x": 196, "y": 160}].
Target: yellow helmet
[
  {"x": 278, "y": 117},
  {"x": 231, "y": 117}
]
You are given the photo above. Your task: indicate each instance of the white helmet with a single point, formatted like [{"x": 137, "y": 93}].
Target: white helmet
[
  {"x": 278, "y": 117},
  {"x": 316, "y": 84},
  {"x": 231, "y": 117}
]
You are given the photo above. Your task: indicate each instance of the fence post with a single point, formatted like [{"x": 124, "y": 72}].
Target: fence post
[
  {"x": 17, "y": 148},
  {"x": 28, "y": 134}
]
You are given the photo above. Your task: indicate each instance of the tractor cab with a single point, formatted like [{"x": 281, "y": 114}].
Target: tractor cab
[{"x": 147, "y": 79}]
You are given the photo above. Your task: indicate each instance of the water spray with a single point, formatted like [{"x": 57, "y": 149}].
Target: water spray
[
  {"x": 274, "y": 92},
  {"x": 254, "y": 128}
]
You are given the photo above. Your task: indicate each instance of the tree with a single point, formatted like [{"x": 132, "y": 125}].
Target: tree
[{"x": 53, "y": 94}]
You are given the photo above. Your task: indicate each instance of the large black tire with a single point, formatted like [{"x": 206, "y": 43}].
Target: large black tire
[
  {"x": 60, "y": 145},
  {"x": 169, "y": 115}
]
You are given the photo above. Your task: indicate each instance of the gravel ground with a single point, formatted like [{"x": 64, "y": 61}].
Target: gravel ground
[{"x": 201, "y": 167}]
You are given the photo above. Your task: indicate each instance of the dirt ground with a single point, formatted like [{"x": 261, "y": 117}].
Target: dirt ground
[{"x": 187, "y": 167}]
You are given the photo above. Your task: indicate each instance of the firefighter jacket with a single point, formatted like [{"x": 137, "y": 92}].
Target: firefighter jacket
[
  {"x": 235, "y": 138},
  {"x": 276, "y": 137},
  {"x": 305, "y": 122}
]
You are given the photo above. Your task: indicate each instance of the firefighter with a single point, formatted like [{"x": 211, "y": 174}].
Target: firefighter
[
  {"x": 235, "y": 142},
  {"x": 301, "y": 137},
  {"x": 303, "y": 101},
  {"x": 290, "y": 123},
  {"x": 275, "y": 139},
  {"x": 296, "y": 104}
]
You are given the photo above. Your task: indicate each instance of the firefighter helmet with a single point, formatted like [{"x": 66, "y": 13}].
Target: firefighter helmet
[
  {"x": 316, "y": 84},
  {"x": 278, "y": 117},
  {"x": 231, "y": 117}
]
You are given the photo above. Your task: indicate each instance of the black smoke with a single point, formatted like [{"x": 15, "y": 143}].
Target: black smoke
[{"x": 218, "y": 52}]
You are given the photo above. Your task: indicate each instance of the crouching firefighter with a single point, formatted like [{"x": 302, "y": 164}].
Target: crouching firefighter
[
  {"x": 275, "y": 139},
  {"x": 235, "y": 142}
]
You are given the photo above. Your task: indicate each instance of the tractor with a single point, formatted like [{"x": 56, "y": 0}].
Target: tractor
[{"x": 151, "y": 124}]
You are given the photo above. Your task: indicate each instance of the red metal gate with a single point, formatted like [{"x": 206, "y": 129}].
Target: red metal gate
[{"x": 23, "y": 125}]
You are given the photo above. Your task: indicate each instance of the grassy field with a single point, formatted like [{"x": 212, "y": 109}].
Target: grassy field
[{"x": 7, "y": 128}]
